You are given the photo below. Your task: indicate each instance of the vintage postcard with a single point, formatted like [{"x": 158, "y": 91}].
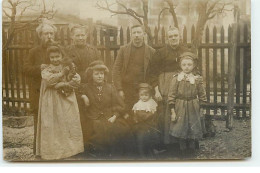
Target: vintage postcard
[{"x": 126, "y": 80}]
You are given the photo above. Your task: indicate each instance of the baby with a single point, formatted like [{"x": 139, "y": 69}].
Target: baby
[{"x": 146, "y": 106}]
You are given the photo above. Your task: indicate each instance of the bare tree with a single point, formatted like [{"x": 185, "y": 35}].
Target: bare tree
[
  {"x": 207, "y": 10},
  {"x": 14, "y": 10},
  {"x": 143, "y": 19}
]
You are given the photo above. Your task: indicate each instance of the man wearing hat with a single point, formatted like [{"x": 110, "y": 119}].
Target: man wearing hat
[{"x": 131, "y": 66}]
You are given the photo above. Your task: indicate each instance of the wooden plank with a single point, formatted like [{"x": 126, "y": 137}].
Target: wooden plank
[
  {"x": 231, "y": 78},
  {"x": 185, "y": 35},
  {"x": 215, "y": 77},
  {"x": 62, "y": 36},
  {"x": 155, "y": 35},
  {"x": 95, "y": 36},
  {"x": 200, "y": 60},
  {"x": 163, "y": 35},
  {"x": 25, "y": 80},
  {"x": 192, "y": 33},
  {"x": 108, "y": 54},
  {"x": 222, "y": 70},
  {"x": 238, "y": 72},
  {"x": 5, "y": 68},
  {"x": 121, "y": 36},
  {"x": 17, "y": 68},
  {"x": 127, "y": 35},
  {"x": 245, "y": 68},
  {"x": 102, "y": 43},
  {"x": 11, "y": 74},
  {"x": 207, "y": 69}
]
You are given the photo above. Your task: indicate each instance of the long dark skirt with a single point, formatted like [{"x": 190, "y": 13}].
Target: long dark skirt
[{"x": 108, "y": 139}]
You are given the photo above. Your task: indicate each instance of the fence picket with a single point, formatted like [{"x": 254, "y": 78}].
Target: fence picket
[
  {"x": 222, "y": 71},
  {"x": 238, "y": 72},
  {"x": 13, "y": 62},
  {"x": 163, "y": 35},
  {"x": 245, "y": 67},
  {"x": 184, "y": 35},
  {"x": 121, "y": 36},
  {"x": 207, "y": 70},
  {"x": 127, "y": 35},
  {"x": 5, "y": 67}
]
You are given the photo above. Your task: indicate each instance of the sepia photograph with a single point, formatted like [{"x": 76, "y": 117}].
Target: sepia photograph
[{"x": 126, "y": 80}]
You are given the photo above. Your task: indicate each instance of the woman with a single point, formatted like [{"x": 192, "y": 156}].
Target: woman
[
  {"x": 59, "y": 133},
  {"x": 103, "y": 113},
  {"x": 165, "y": 64}
]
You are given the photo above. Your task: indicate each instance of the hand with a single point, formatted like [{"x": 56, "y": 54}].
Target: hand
[
  {"x": 76, "y": 78},
  {"x": 122, "y": 94},
  {"x": 43, "y": 66},
  {"x": 173, "y": 115},
  {"x": 85, "y": 99},
  {"x": 201, "y": 112},
  {"x": 65, "y": 70},
  {"x": 157, "y": 95},
  {"x": 112, "y": 119},
  {"x": 59, "y": 85},
  {"x": 126, "y": 116}
]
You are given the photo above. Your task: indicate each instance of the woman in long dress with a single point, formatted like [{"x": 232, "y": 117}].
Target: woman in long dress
[
  {"x": 109, "y": 132},
  {"x": 59, "y": 133}
]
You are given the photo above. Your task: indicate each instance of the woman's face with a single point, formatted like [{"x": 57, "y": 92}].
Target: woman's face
[
  {"x": 55, "y": 58},
  {"x": 98, "y": 76},
  {"x": 187, "y": 65}
]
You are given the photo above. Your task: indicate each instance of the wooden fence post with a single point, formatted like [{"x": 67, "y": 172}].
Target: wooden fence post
[{"x": 231, "y": 78}]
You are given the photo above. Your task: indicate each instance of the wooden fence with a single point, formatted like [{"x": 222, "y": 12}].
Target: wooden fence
[{"x": 214, "y": 54}]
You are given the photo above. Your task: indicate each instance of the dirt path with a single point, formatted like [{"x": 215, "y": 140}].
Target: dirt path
[{"x": 235, "y": 144}]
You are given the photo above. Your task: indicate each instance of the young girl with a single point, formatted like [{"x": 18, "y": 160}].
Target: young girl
[
  {"x": 145, "y": 118},
  {"x": 185, "y": 95},
  {"x": 59, "y": 133}
]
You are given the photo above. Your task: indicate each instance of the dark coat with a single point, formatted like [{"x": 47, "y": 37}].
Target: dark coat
[
  {"x": 103, "y": 105},
  {"x": 82, "y": 57},
  {"x": 122, "y": 60},
  {"x": 32, "y": 69},
  {"x": 165, "y": 59}
]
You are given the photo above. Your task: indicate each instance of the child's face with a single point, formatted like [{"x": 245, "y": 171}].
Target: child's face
[
  {"x": 55, "y": 58},
  {"x": 98, "y": 76},
  {"x": 187, "y": 65},
  {"x": 144, "y": 96}
]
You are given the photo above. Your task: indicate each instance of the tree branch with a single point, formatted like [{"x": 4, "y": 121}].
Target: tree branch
[
  {"x": 173, "y": 13},
  {"x": 127, "y": 11},
  {"x": 9, "y": 16},
  {"x": 159, "y": 17}
]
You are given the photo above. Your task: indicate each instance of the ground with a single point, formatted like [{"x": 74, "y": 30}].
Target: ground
[{"x": 234, "y": 144}]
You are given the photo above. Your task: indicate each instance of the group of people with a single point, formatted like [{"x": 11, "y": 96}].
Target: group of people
[{"x": 153, "y": 101}]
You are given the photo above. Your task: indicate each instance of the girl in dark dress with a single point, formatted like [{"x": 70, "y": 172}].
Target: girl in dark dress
[{"x": 107, "y": 129}]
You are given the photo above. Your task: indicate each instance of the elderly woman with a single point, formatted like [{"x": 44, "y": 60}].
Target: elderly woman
[
  {"x": 165, "y": 63},
  {"x": 103, "y": 112}
]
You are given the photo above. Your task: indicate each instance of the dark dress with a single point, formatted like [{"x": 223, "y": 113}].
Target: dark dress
[
  {"x": 164, "y": 64},
  {"x": 98, "y": 132},
  {"x": 185, "y": 97}
]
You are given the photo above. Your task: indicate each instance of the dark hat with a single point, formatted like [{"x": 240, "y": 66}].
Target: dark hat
[{"x": 95, "y": 65}]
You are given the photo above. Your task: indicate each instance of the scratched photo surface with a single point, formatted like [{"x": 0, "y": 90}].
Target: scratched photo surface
[{"x": 126, "y": 80}]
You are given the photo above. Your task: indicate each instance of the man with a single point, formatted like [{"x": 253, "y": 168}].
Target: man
[
  {"x": 32, "y": 67},
  {"x": 131, "y": 66},
  {"x": 81, "y": 53}
]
